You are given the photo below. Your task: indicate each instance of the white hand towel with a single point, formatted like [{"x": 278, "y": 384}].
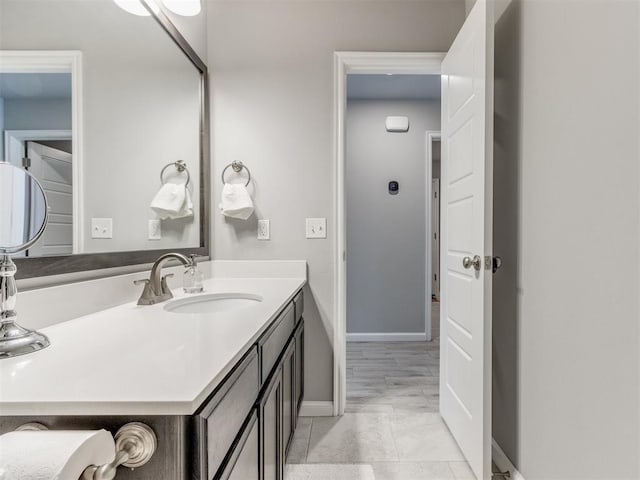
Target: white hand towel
[
  {"x": 236, "y": 201},
  {"x": 172, "y": 201}
]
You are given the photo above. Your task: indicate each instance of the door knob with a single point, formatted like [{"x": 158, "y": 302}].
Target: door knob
[{"x": 476, "y": 262}]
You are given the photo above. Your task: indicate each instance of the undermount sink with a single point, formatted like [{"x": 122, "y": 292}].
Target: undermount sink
[{"x": 213, "y": 303}]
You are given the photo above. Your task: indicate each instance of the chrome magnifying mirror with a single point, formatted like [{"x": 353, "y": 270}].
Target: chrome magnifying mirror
[{"x": 23, "y": 219}]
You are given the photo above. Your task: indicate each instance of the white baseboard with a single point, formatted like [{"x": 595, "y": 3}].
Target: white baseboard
[
  {"x": 316, "y": 409},
  {"x": 387, "y": 337},
  {"x": 503, "y": 462}
]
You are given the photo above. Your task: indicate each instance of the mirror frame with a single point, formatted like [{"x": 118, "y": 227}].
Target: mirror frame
[
  {"x": 8, "y": 251},
  {"x": 47, "y": 266}
]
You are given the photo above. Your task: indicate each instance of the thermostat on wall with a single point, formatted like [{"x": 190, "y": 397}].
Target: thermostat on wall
[{"x": 397, "y": 124}]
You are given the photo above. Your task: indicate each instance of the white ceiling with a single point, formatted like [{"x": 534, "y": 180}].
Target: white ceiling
[
  {"x": 14, "y": 86},
  {"x": 393, "y": 87}
]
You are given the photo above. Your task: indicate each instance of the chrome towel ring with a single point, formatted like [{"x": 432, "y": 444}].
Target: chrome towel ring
[
  {"x": 181, "y": 166},
  {"x": 237, "y": 167}
]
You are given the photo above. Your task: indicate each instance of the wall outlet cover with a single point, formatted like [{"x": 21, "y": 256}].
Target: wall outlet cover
[
  {"x": 101, "y": 228},
  {"x": 155, "y": 229},
  {"x": 316, "y": 228},
  {"x": 264, "y": 229}
]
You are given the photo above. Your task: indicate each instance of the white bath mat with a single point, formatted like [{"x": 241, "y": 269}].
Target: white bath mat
[{"x": 329, "y": 472}]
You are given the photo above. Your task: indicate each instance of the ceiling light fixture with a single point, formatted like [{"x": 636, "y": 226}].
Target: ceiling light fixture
[
  {"x": 136, "y": 7},
  {"x": 185, "y": 8}
]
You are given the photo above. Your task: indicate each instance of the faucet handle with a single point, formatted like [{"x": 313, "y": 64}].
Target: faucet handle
[{"x": 141, "y": 281}]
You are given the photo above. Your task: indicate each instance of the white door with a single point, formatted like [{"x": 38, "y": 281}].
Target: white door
[
  {"x": 466, "y": 189},
  {"x": 53, "y": 169}
]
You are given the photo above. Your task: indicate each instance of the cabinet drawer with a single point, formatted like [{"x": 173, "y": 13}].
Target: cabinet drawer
[
  {"x": 299, "y": 304},
  {"x": 274, "y": 340},
  {"x": 243, "y": 462},
  {"x": 223, "y": 415}
]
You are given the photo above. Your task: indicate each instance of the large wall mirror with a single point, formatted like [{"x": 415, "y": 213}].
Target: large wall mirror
[{"x": 100, "y": 105}]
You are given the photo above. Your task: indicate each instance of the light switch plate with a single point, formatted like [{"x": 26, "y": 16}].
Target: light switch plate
[
  {"x": 264, "y": 229},
  {"x": 316, "y": 228},
  {"x": 155, "y": 229},
  {"x": 101, "y": 228}
]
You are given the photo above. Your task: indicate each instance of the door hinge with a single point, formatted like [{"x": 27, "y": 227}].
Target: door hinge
[{"x": 26, "y": 162}]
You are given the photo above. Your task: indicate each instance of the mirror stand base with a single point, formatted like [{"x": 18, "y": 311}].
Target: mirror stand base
[{"x": 14, "y": 339}]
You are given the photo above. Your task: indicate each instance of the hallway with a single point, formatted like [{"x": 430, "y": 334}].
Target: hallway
[{"x": 391, "y": 429}]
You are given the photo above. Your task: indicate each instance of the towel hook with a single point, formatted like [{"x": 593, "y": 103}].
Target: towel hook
[
  {"x": 237, "y": 167},
  {"x": 181, "y": 166}
]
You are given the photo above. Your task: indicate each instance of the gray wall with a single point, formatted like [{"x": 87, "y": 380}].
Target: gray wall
[
  {"x": 37, "y": 114},
  {"x": 386, "y": 234},
  {"x": 566, "y": 343},
  {"x": 272, "y": 107}
]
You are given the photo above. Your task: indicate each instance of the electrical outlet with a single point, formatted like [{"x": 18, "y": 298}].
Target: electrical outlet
[
  {"x": 316, "y": 228},
  {"x": 101, "y": 228},
  {"x": 264, "y": 230},
  {"x": 155, "y": 229}
]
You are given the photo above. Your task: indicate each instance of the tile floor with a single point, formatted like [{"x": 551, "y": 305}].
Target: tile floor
[{"x": 391, "y": 429}]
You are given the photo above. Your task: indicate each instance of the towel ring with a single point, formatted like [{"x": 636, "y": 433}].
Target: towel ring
[
  {"x": 181, "y": 166},
  {"x": 237, "y": 167}
]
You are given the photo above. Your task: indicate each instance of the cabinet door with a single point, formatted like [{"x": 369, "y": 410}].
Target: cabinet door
[
  {"x": 299, "y": 370},
  {"x": 288, "y": 387},
  {"x": 244, "y": 460},
  {"x": 271, "y": 455},
  {"x": 221, "y": 417},
  {"x": 275, "y": 339}
]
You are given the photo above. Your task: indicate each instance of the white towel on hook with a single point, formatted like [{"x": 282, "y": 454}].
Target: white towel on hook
[
  {"x": 235, "y": 201},
  {"x": 172, "y": 201}
]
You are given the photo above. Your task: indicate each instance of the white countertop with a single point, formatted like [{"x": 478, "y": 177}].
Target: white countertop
[{"x": 140, "y": 360}]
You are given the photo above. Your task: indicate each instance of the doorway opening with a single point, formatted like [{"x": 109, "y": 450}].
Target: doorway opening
[
  {"x": 41, "y": 131},
  {"x": 349, "y": 65},
  {"x": 464, "y": 400},
  {"x": 392, "y": 358}
]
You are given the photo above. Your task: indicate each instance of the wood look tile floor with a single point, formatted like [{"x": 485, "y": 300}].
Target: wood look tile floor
[{"x": 391, "y": 429}]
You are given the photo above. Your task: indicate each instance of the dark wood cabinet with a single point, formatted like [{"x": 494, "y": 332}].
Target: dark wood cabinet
[
  {"x": 243, "y": 463},
  {"x": 221, "y": 417},
  {"x": 298, "y": 381},
  {"x": 271, "y": 454},
  {"x": 275, "y": 339},
  {"x": 288, "y": 387}
]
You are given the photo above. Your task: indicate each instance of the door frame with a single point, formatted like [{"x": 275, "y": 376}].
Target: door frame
[
  {"x": 362, "y": 63},
  {"x": 432, "y": 135},
  {"x": 24, "y": 136},
  {"x": 57, "y": 61}
]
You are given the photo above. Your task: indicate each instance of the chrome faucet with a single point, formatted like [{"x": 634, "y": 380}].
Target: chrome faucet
[{"x": 156, "y": 289}]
